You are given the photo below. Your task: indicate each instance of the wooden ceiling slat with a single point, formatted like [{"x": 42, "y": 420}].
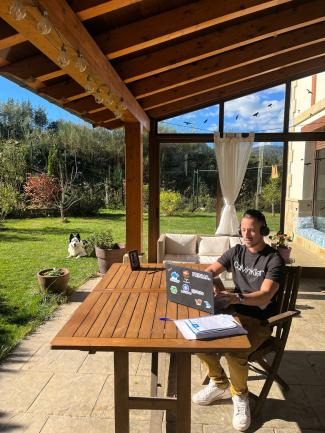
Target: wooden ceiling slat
[
  {"x": 176, "y": 23},
  {"x": 9, "y": 41},
  {"x": 227, "y": 61},
  {"x": 83, "y": 105},
  {"x": 245, "y": 87},
  {"x": 86, "y": 13},
  {"x": 101, "y": 116},
  {"x": 63, "y": 90},
  {"x": 239, "y": 74},
  {"x": 73, "y": 32},
  {"x": 219, "y": 41}
]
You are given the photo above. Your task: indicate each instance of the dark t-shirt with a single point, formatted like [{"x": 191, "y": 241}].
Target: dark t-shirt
[{"x": 249, "y": 271}]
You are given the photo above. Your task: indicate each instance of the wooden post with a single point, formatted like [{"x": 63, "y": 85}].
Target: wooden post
[
  {"x": 285, "y": 155},
  {"x": 154, "y": 189},
  {"x": 219, "y": 198},
  {"x": 134, "y": 186},
  {"x": 121, "y": 392}
]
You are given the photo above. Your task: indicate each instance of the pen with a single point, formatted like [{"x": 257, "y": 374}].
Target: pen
[{"x": 165, "y": 319}]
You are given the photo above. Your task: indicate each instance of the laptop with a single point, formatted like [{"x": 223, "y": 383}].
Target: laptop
[{"x": 190, "y": 287}]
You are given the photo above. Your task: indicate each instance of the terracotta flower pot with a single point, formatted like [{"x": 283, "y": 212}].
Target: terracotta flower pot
[
  {"x": 58, "y": 284},
  {"x": 107, "y": 257},
  {"x": 285, "y": 254}
]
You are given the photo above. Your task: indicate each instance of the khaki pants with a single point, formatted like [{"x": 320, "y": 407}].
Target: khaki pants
[{"x": 237, "y": 361}]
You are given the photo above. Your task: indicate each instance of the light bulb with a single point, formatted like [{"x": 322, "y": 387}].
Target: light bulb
[
  {"x": 44, "y": 25},
  {"x": 123, "y": 105},
  {"x": 98, "y": 97},
  {"x": 89, "y": 87},
  {"x": 17, "y": 10},
  {"x": 63, "y": 58},
  {"x": 119, "y": 113},
  {"x": 81, "y": 64}
]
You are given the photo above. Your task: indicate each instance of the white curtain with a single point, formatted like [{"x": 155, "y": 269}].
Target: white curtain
[{"x": 232, "y": 152}]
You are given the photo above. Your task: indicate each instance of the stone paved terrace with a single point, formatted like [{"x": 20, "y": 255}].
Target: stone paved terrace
[{"x": 67, "y": 391}]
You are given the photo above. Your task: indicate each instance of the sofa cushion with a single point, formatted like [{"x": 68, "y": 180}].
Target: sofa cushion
[
  {"x": 213, "y": 245},
  {"x": 208, "y": 259},
  {"x": 234, "y": 240},
  {"x": 180, "y": 244},
  {"x": 181, "y": 258}
]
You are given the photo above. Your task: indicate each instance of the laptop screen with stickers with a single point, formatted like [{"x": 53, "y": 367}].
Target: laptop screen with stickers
[{"x": 190, "y": 287}]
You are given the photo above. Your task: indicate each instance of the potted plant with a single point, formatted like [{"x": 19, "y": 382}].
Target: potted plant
[
  {"x": 54, "y": 280},
  {"x": 280, "y": 243},
  {"x": 107, "y": 252}
]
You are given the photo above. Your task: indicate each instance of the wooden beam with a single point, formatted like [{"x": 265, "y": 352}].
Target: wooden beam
[
  {"x": 286, "y": 120},
  {"x": 237, "y": 90},
  {"x": 228, "y": 61},
  {"x": 101, "y": 116},
  {"x": 259, "y": 137},
  {"x": 154, "y": 189},
  {"x": 177, "y": 22},
  {"x": 219, "y": 41},
  {"x": 134, "y": 186},
  {"x": 69, "y": 29},
  {"x": 237, "y": 75}
]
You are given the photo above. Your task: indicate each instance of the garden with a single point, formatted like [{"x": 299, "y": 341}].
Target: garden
[{"x": 58, "y": 178}]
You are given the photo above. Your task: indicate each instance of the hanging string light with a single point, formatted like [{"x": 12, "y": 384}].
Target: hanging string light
[
  {"x": 63, "y": 58},
  {"x": 98, "y": 97},
  {"x": 44, "y": 25},
  {"x": 89, "y": 87},
  {"x": 17, "y": 10},
  {"x": 81, "y": 64}
]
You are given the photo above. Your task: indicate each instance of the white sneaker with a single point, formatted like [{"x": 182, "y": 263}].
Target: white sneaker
[
  {"x": 210, "y": 393},
  {"x": 242, "y": 415}
]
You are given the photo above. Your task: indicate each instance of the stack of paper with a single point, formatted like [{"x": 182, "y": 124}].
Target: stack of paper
[{"x": 220, "y": 325}]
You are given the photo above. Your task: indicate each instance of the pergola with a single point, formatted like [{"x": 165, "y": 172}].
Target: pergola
[{"x": 132, "y": 63}]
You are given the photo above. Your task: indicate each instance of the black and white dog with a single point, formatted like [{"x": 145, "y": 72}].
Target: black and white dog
[{"x": 76, "y": 248}]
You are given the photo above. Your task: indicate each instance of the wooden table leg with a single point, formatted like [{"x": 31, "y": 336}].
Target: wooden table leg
[
  {"x": 121, "y": 392},
  {"x": 183, "y": 413}
]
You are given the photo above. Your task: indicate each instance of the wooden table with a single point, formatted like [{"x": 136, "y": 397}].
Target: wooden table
[{"x": 122, "y": 315}]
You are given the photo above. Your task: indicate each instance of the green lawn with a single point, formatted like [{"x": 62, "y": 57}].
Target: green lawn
[{"x": 27, "y": 246}]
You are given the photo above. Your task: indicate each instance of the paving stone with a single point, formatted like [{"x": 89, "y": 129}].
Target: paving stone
[
  {"x": 99, "y": 362},
  {"x": 21, "y": 355},
  {"x": 69, "y": 394},
  {"x": 20, "y": 389},
  {"x": 22, "y": 423},
  {"x": 230, "y": 429},
  {"x": 68, "y": 424},
  {"x": 46, "y": 359}
]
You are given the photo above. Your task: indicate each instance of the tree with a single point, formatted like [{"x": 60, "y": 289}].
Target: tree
[
  {"x": 272, "y": 193},
  {"x": 170, "y": 201},
  {"x": 41, "y": 190}
]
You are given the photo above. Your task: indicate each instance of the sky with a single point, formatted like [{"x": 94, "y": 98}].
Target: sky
[
  {"x": 258, "y": 112},
  {"x": 9, "y": 89}
]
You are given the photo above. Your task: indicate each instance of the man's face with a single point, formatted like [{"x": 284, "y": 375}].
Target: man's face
[{"x": 250, "y": 230}]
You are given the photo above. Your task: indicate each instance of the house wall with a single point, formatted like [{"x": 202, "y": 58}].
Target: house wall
[{"x": 305, "y": 109}]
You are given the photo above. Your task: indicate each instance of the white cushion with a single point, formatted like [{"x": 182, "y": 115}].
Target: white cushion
[
  {"x": 208, "y": 259},
  {"x": 234, "y": 240},
  {"x": 181, "y": 258},
  {"x": 180, "y": 244},
  {"x": 213, "y": 245}
]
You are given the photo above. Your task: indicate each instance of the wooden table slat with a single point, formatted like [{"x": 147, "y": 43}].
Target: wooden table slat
[
  {"x": 171, "y": 313},
  {"x": 91, "y": 318},
  {"x": 135, "y": 322},
  {"x": 79, "y": 315},
  {"x": 138, "y": 284},
  {"x": 158, "y": 329},
  {"x": 116, "y": 279},
  {"x": 107, "y": 277},
  {"x": 124, "y": 320},
  {"x": 156, "y": 281},
  {"x": 114, "y": 317},
  {"x": 149, "y": 314},
  {"x": 103, "y": 316},
  {"x": 123, "y": 283}
]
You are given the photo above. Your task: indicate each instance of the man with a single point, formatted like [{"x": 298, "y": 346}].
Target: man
[{"x": 256, "y": 269}]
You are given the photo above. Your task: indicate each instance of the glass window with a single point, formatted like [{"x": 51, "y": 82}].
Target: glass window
[
  {"x": 203, "y": 121},
  {"x": 319, "y": 198},
  {"x": 258, "y": 112}
]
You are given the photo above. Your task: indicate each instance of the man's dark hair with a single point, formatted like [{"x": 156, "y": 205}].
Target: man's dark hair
[{"x": 254, "y": 213}]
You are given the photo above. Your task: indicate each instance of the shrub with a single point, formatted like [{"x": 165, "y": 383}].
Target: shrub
[
  {"x": 89, "y": 203},
  {"x": 8, "y": 200},
  {"x": 103, "y": 240},
  {"x": 41, "y": 190},
  {"x": 170, "y": 201}
]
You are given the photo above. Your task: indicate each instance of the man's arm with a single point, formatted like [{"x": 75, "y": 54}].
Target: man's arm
[
  {"x": 261, "y": 297},
  {"x": 216, "y": 268}
]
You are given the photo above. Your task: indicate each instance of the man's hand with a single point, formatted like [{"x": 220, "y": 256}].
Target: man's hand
[{"x": 224, "y": 299}]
